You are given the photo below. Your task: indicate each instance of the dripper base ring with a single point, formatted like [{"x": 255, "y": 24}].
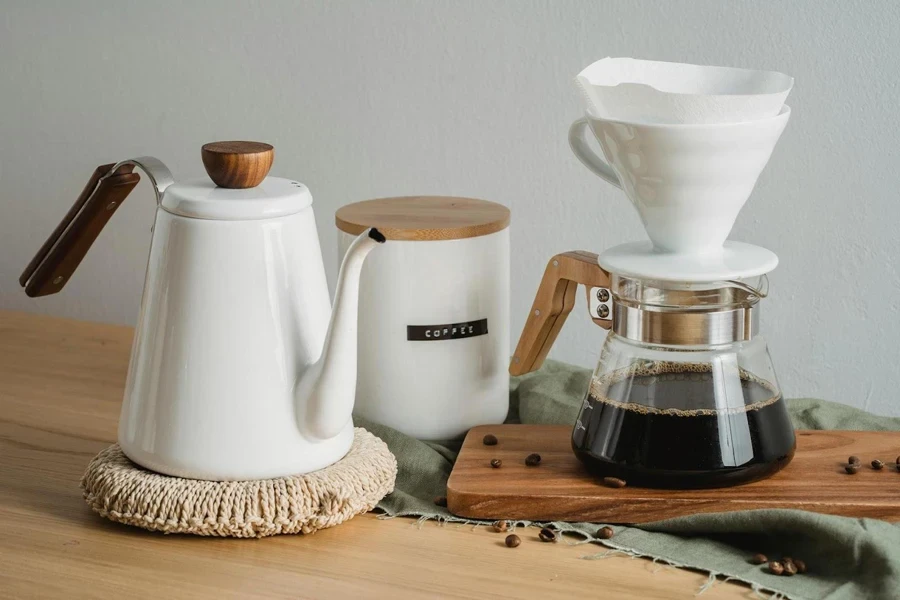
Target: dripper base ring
[{"x": 736, "y": 260}]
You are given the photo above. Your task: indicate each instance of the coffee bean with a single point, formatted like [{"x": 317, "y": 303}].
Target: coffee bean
[
  {"x": 512, "y": 541},
  {"x": 490, "y": 440},
  {"x": 533, "y": 460},
  {"x": 604, "y": 533},
  {"x": 898, "y": 461},
  {"x": 501, "y": 526},
  {"x": 776, "y": 568},
  {"x": 614, "y": 482},
  {"x": 853, "y": 460},
  {"x": 440, "y": 500},
  {"x": 801, "y": 566},
  {"x": 852, "y": 468},
  {"x": 790, "y": 568},
  {"x": 877, "y": 465},
  {"x": 759, "y": 559},
  {"x": 547, "y": 535},
  {"x": 786, "y": 559},
  {"x": 496, "y": 463}
]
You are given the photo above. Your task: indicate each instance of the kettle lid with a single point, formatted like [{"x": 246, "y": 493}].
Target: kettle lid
[{"x": 237, "y": 188}]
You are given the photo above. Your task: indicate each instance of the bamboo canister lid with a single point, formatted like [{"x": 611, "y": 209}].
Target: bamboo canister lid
[{"x": 424, "y": 218}]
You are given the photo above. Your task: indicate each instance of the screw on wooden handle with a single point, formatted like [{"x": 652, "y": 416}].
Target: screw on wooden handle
[
  {"x": 237, "y": 165},
  {"x": 56, "y": 261},
  {"x": 553, "y": 302}
]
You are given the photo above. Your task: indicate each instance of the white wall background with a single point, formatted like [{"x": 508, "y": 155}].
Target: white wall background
[{"x": 367, "y": 99}]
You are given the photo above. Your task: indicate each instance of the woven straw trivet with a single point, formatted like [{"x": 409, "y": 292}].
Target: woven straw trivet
[{"x": 122, "y": 491}]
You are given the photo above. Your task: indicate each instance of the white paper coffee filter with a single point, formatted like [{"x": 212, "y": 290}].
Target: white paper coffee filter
[{"x": 646, "y": 91}]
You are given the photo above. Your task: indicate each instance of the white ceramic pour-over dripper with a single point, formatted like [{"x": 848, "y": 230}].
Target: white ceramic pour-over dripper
[{"x": 688, "y": 182}]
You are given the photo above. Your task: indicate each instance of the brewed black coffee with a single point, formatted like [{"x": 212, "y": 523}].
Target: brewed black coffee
[{"x": 683, "y": 430}]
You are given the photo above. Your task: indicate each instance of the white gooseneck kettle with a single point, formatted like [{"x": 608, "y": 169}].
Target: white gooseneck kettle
[{"x": 240, "y": 369}]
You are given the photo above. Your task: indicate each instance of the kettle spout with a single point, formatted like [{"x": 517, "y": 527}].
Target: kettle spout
[{"x": 327, "y": 390}]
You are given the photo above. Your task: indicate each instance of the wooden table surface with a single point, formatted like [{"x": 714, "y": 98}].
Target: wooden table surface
[{"x": 61, "y": 385}]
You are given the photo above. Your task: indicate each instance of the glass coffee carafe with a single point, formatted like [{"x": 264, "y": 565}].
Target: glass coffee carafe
[{"x": 684, "y": 394}]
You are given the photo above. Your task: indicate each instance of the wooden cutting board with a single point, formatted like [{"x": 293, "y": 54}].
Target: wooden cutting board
[{"x": 559, "y": 489}]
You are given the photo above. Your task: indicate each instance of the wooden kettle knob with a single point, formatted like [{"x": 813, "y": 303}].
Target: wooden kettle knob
[{"x": 237, "y": 165}]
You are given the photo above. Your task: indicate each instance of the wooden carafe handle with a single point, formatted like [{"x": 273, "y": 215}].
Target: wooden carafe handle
[
  {"x": 64, "y": 250},
  {"x": 553, "y": 303}
]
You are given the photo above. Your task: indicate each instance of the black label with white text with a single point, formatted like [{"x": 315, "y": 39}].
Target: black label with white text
[{"x": 452, "y": 331}]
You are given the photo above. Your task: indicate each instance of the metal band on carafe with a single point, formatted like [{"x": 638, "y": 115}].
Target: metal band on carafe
[
  {"x": 685, "y": 328},
  {"x": 682, "y": 322}
]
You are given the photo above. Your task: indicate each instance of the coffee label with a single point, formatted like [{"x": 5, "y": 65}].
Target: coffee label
[{"x": 451, "y": 331}]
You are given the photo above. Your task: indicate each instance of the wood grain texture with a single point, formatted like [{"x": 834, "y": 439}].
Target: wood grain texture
[
  {"x": 424, "y": 218},
  {"x": 62, "y": 252},
  {"x": 237, "y": 165},
  {"x": 560, "y": 489},
  {"x": 553, "y": 302},
  {"x": 61, "y": 384},
  {"x": 89, "y": 188}
]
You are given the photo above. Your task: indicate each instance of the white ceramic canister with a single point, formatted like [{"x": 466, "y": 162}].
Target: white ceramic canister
[{"x": 433, "y": 313}]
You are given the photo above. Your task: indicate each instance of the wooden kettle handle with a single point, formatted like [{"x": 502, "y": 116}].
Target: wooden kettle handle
[
  {"x": 64, "y": 250},
  {"x": 553, "y": 303}
]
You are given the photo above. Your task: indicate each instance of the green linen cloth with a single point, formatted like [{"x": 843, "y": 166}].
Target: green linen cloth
[{"x": 848, "y": 558}]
